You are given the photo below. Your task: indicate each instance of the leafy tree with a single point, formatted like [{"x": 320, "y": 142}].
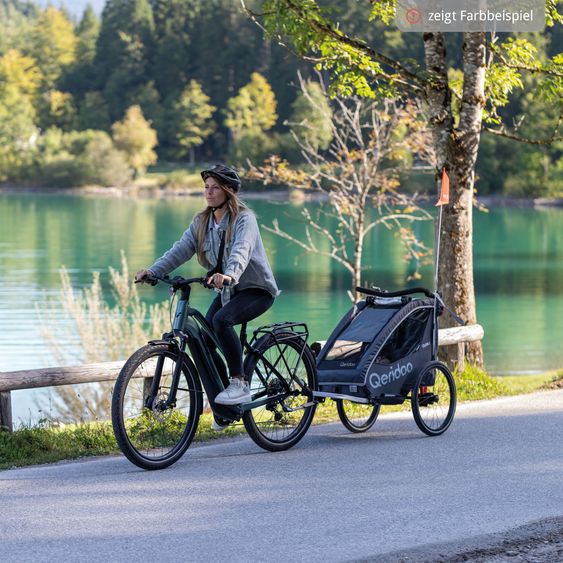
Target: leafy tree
[
  {"x": 174, "y": 32},
  {"x": 53, "y": 45},
  {"x": 87, "y": 32},
  {"x": 189, "y": 120},
  {"x": 17, "y": 133},
  {"x": 249, "y": 115},
  {"x": 491, "y": 71},
  {"x": 311, "y": 117},
  {"x": 80, "y": 78},
  {"x": 21, "y": 73},
  {"x": 19, "y": 80},
  {"x": 59, "y": 110},
  {"x": 136, "y": 138},
  {"x": 93, "y": 112},
  {"x": 254, "y": 108},
  {"x": 146, "y": 95},
  {"x": 122, "y": 51},
  {"x": 16, "y": 18}
]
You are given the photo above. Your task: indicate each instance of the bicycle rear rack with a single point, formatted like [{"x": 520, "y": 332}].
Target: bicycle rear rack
[
  {"x": 284, "y": 332},
  {"x": 297, "y": 329}
]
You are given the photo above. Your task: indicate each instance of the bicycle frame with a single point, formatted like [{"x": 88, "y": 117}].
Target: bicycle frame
[{"x": 191, "y": 331}]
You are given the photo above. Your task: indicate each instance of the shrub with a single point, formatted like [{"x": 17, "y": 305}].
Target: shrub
[{"x": 80, "y": 158}]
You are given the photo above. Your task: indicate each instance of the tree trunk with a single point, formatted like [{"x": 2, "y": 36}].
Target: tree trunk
[
  {"x": 459, "y": 222},
  {"x": 456, "y": 150}
]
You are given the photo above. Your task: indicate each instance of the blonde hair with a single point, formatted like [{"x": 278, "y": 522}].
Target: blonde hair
[{"x": 235, "y": 206}]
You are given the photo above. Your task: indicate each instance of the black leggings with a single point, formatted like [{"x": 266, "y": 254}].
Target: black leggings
[{"x": 243, "y": 307}]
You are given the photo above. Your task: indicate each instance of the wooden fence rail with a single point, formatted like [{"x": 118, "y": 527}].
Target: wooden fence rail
[{"x": 108, "y": 371}]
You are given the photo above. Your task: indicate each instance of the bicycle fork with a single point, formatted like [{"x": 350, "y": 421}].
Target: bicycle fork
[{"x": 154, "y": 382}]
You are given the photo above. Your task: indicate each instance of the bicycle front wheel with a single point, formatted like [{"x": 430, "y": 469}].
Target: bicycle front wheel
[
  {"x": 284, "y": 378},
  {"x": 357, "y": 417},
  {"x": 434, "y": 399},
  {"x": 151, "y": 432}
]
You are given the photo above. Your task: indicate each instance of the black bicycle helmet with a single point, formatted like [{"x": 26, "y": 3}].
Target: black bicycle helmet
[{"x": 225, "y": 174}]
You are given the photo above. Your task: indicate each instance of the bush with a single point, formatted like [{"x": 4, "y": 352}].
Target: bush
[{"x": 80, "y": 158}]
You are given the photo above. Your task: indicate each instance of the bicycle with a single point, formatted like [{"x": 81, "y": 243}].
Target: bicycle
[{"x": 158, "y": 396}]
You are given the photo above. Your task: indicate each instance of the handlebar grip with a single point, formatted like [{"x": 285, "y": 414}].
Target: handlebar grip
[{"x": 399, "y": 293}]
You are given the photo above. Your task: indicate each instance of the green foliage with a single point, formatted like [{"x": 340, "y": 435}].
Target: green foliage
[
  {"x": 136, "y": 138},
  {"x": 474, "y": 384},
  {"x": 384, "y": 10},
  {"x": 147, "y": 97},
  {"x": 147, "y": 52},
  {"x": 174, "y": 32},
  {"x": 354, "y": 69},
  {"x": 79, "y": 159},
  {"x": 58, "y": 110},
  {"x": 122, "y": 51},
  {"x": 18, "y": 132},
  {"x": 17, "y": 19},
  {"x": 253, "y": 109},
  {"x": 20, "y": 74},
  {"x": 311, "y": 117},
  {"x": 249, "y": 115},
  {"x": 188, "y": 120},
  {"x": 53, "y": 44},
  {"x": 254, "y": 145},
  {"x": 87, "y": 33},
  {"x": 93, "y": 112}
]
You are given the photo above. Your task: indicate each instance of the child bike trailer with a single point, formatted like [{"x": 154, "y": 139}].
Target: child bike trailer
[{"x": 383, "y": 352}]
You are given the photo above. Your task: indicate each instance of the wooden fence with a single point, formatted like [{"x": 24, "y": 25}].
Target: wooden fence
[{"x": 108, "y": 371}]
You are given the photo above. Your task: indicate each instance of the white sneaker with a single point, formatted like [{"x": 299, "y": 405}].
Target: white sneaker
[
  {"x": 218, "y": 426},
  {"x": 236, "y": 393}
]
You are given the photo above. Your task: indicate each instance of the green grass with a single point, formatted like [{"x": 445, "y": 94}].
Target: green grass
[
  {"x": 45, "y": 443},
  {"x": 520, "y": 384}
]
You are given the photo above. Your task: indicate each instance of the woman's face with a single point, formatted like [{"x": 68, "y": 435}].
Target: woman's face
[{"x": 214, "y": 193}]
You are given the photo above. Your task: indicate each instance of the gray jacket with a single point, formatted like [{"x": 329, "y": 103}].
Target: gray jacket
[{"x": 244, "y": 258}]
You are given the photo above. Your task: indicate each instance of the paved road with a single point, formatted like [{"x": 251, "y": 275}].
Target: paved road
[{"x": 334, "y": 497}]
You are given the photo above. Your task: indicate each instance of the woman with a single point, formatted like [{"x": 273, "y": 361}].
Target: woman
[{"x": 244, "y": 267}]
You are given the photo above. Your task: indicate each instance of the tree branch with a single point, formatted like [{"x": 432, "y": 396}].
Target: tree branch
[{"x": 409, "y": 79}]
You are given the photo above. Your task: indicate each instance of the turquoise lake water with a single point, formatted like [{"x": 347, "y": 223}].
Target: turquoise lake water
[{"x": 518, "y": 255}]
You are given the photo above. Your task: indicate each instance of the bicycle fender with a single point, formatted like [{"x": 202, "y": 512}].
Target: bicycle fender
[{"x": 170, "y": 343}]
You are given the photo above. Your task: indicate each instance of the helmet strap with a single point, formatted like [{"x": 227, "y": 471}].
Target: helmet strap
[{"x": 219, "y": 206}]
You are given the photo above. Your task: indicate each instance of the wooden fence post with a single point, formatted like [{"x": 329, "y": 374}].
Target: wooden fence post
[{"x": 6, "y": 410}]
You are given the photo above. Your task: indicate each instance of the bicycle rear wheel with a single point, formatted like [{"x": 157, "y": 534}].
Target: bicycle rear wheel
[
  {"x": 434, "y": 399},
  {"x": 357, "y": 417},
  {"x": 280, "y": 372},
  {"x": 151, "y": 434}
]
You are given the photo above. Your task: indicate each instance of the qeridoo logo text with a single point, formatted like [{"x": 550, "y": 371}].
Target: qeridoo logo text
[{"x": 398, "y": 372}]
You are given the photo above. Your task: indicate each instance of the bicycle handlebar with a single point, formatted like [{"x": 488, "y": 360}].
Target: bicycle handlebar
[
  {"x": 384, "y": 293},
  {"x": 178, "y": 282}
]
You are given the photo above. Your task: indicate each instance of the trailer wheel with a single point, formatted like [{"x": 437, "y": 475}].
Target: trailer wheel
[
  {"x": 434, "y": 399},
  {"x": 357, "y": 417}
]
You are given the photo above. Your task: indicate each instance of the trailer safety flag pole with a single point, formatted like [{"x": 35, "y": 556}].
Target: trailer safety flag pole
[{"x": 444, "y": 199}]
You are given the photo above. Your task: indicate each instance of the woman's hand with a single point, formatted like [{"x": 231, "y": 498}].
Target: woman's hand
[
  {"x": 219, "y": 280},
  {"x": 141, "y": 276}
]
